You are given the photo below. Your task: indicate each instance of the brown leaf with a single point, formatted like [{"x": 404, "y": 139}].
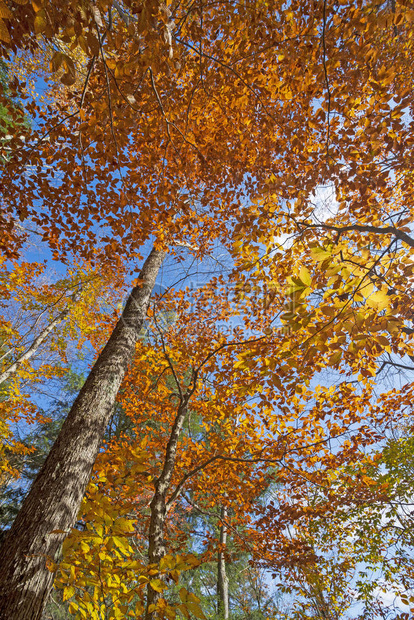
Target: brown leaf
[
  {"x": 4, "y": 33},
  {"x": 68, "y": 79},
  {"x": 5, "y": 12}
]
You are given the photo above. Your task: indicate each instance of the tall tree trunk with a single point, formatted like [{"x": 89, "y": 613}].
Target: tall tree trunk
[
  {"x": 51, "y": 507},
  {"x": 222, "y": 579},
  {"x": 156, "y": 549}
]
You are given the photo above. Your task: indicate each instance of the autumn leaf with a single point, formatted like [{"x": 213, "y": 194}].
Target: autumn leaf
[
  {"x": 379, "y": 300},
  {"x": 4, "y": 33}
]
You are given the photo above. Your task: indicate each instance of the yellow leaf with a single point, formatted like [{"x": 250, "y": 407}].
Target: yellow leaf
[
  {"x": 138, "y": 468},
  {"x": 192, "y": 598},
  {"x": 67, "y": 544},
  {"x": 124, "y": 525},
  {"x": 378, "y": 300},
  {"x": 333, "y": 271},
  {"x": 158, "y": 585},
  {"x": 121, "y": 543},
  {"x": 68, "y": 593},
  {"x": 84, "y": 547},
  {"x": 368, "y": 290},
  {"x": 320, "y": 254},
  {"x": 184, "y": 610},
  {"x": 305, "y": 276},
  {"x": 167, "y": 561}
]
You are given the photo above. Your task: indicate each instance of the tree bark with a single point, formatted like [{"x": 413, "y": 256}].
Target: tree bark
[
  {"x": 51, "y": 507},
  {"x": 222, "y": 579},
  {"x": 156, "y": 550}
]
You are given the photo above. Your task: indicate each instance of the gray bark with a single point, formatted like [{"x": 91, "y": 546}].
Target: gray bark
[
  {"x": 55, "y": 497},
  {"x": 222, "y": 579}
]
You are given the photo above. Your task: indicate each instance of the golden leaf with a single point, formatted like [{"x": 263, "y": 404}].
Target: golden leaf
[
  {"x": 157, "y": 585},
  {"x": 5, "y": 12},
  {"x": 68, "y": 593},
  {"x": 305, "y": 276},
  {"x": 4, "y": 33},
  {"x": 378, "y": 300},
  {"x": 196, "y": 610},
  {"x": 40, "y": 22}
]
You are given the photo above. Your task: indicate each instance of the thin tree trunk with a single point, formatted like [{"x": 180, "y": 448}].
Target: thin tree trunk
[
  {"x": 222, "y": 579},
  {"x": 51, "y": 507},
  {"x": 156, "y": 550},
  {"x": 31, "y": 350}
]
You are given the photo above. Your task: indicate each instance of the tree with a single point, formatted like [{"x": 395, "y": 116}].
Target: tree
[
  {"x": 238, "y": 118},
  {"x": 222, "y": 578},
  {"x": 61, "y": 482},
  {"x": 370, "y": 542},
  {"x": 42, "y": 318},
  {"x": 228, "y": 463}
]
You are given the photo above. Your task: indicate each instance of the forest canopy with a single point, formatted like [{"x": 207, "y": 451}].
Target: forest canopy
[{"x": 206, "y": 319}]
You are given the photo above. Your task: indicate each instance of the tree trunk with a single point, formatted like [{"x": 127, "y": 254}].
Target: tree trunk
[
  {"x": 51, "y": 507},
  {"x": 222, "y": 579},
  {"x": 31, "y": 350},
  {"x": 156, "y": 549}
]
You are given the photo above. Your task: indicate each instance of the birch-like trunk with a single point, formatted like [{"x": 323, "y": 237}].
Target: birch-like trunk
[
  {"x": 33, "y": 347},
  {"x": 222, "y": 579},
  {"x": 55, "y": 497}
]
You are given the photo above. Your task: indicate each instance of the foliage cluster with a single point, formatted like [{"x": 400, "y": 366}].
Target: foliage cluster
[{"x": 257, "y": 425}]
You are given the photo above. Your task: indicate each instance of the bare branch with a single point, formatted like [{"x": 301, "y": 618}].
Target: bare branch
[{"x": 378, "y": 230}]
